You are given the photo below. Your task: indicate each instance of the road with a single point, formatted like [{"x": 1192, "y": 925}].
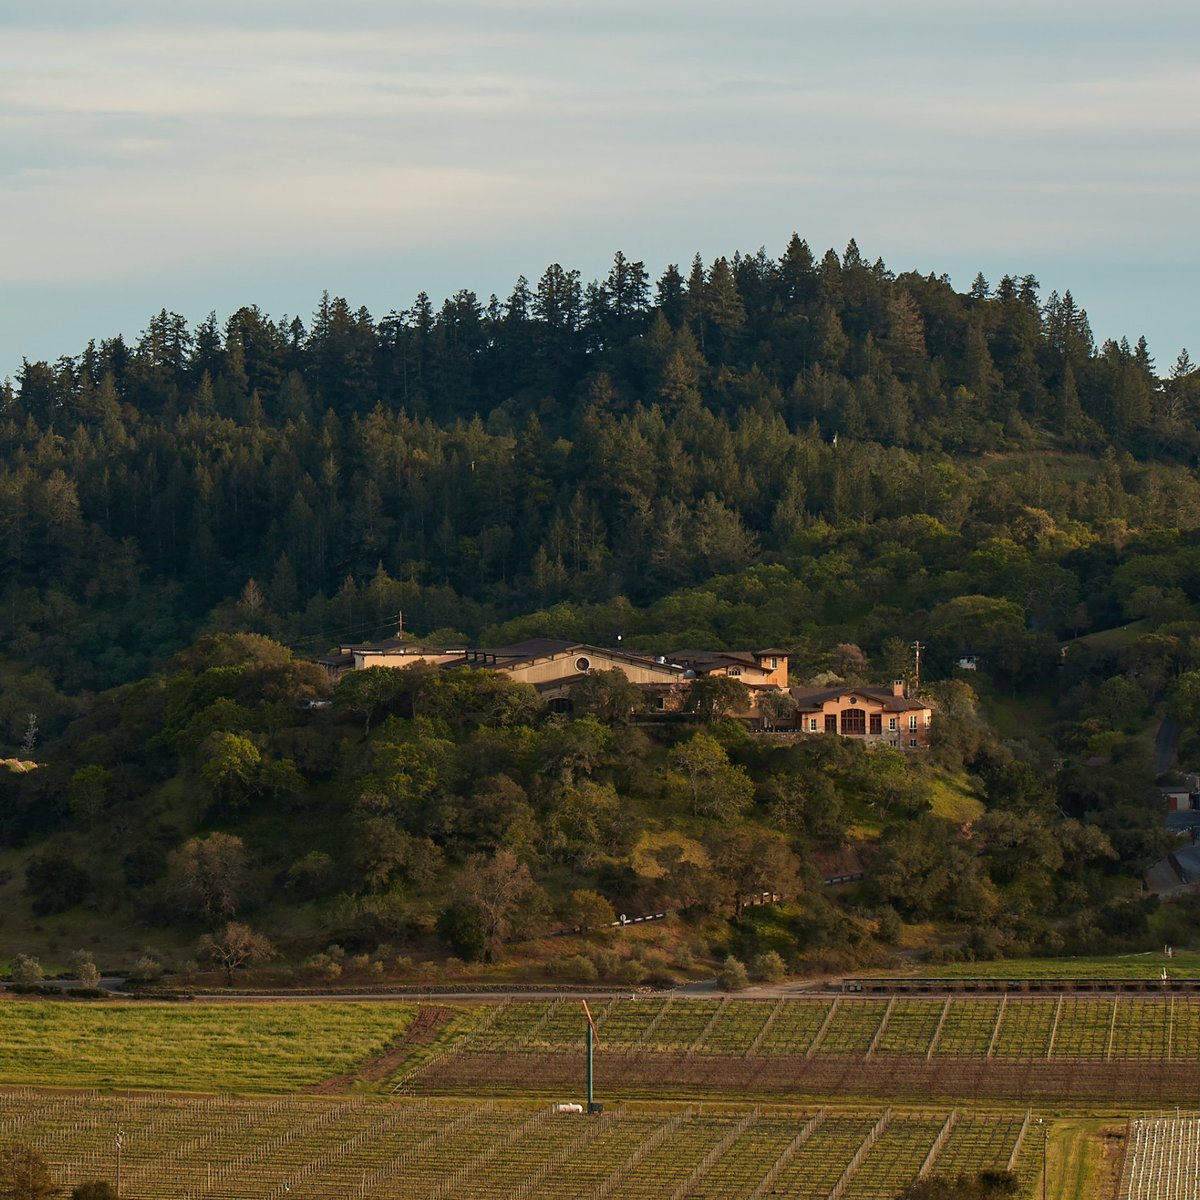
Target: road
[{"x": 1166, "y": 744}]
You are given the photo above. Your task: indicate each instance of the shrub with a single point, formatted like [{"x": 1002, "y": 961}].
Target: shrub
[
  {"x": 85, "y": 968},
  {"x": 27, "y": 970},
  {"x": 605, "y": 961},
  {"x": 631, "y": 971},
  {"x": 96, "y": 1189},
  {"x": 890, "y": 926},
  {"x": 732, "y": 976},
  {"x": 25, "y": 1174},
  {"x": 309, "y": 876},
  {"x": 147, "y": 969},
  {"x": 768, "y": 967},
  {"x": 323, "y": 967},
  {"x": 575, "y": 967}
]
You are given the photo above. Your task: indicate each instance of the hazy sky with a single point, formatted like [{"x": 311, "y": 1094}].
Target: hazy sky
[{"x": 201, "y": 157}]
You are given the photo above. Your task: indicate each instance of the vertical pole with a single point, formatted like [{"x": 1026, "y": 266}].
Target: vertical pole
[
  {"x": 590, "y": 1066},
  {"x": 120, "y": 1138},
  {"x": 1045, "y": 1162}
]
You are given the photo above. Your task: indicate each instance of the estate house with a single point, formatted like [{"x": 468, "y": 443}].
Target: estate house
[
  {"x": 754, "y": 668},
  {"x": 876, "y": 714},
  {"x": 552, "y": 665}
]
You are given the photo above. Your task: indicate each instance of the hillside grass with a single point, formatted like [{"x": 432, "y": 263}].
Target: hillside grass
[
  {"x": 953, "y": 799},
  {"x": 1015, "y": 718},
  {"x": 1117, "y": 638},
  {"x": 1057, "y": 465}
]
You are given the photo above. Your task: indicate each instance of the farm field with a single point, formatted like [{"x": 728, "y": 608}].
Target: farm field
[
  {"x": 227, "y": 1047},
  {"x": 1067, "y": 1027},
  {"x": 1075, "y": 1050},
  {"x": 227, "y": 1148},
  {"x": 1184, "y": 965},
  {"x": 1162, "y": 1151},
  {"x": 1071, "y": 1050}
]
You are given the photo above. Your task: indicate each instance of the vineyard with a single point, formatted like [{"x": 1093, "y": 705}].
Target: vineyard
[
  {"x": 1074, "y": 1028},
  {"x": 313, "y": 1149},
  {"x": 1070, "y": 1049},
  {"x": 823, "y": 1098},
  {"x": 1163, "y": 1160}
]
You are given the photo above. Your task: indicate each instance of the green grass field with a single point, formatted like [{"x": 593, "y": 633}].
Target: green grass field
[
  {"x": 191, "y": 1047},
  {"x": 1184, "y": 965}
]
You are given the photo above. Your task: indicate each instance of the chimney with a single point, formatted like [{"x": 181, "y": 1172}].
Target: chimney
[{"x": 897, "y": 687}]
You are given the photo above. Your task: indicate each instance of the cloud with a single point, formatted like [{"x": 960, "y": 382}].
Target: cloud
[{"x": 146, "y": 141}]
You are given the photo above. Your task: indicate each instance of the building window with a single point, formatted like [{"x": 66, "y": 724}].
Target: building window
[
  {"x": 774, "y": 664},
  {"x": 735, "y": 670},
  {"x": 891, "y": 724},
  {"x": 831, "y": 722},
  {"x": 660, "y": 702},
  {"x": 912, "y": 742},
  {"x": 812, "y": 724},
  {"x": 876, "y": 723},
  {"x": 912, "y": 723},
  {"x": 854, "y": 722},
  {"x": 560, "y": 704},
  {"x": 583, "y": 664},
  {"x": 928, "y": 720}
]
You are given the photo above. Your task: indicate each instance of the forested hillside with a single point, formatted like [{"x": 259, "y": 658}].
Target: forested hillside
[{"x": 814, "y": 453}]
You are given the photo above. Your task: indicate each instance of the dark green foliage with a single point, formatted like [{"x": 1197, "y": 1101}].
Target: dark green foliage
[
  {"x": 568, "y": 446},
  {"x": 97, "y": 1189},
  {"x": 24, "y": 1174},
  {"x": 55, "y": 882},
  {"x": 461, "y": 926},
  {"x": 608, "y": 695},
  {"x": 31, "y": 804},
  {"x": 987, "y": 1185},
  {"x": 810, "y": 452}
]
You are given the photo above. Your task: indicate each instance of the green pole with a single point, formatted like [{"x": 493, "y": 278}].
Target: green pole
[{"x": 590, "y": 1068}]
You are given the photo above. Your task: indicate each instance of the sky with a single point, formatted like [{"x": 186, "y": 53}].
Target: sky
[{"x": 203, "y": 157}]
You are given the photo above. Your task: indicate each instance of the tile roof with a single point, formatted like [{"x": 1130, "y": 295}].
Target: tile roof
[
  {"x": 811, "y": 699},
  {"x": 532, "y": 648}
]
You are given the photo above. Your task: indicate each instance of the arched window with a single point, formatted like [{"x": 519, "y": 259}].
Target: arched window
[{"x": 854, "y": 722}]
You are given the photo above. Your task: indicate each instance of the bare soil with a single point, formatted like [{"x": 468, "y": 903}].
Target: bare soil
[
  {"x": 900, "y": 1078},
  {"x": 425, "y": 1028}
]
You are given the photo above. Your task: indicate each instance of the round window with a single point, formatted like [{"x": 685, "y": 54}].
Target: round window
[
  {"x": 583, "y": 664},
  {"x": 853, "y": 699}
]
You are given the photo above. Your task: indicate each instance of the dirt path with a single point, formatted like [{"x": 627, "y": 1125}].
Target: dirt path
[
  {"x": 425, "y": 1028},
  {"x": 1083, "y": 1160}
]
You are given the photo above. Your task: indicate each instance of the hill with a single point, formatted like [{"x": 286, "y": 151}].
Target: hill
[{"x": 813, "y": 453}]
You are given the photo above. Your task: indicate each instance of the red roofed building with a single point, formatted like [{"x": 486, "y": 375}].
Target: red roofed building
[{"x": 884, "y": 715}]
